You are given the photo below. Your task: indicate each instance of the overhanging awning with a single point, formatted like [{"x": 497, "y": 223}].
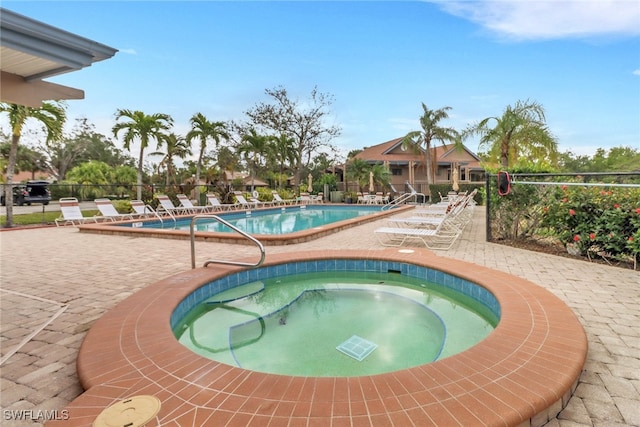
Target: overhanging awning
[{"x": 31, "y": 50}]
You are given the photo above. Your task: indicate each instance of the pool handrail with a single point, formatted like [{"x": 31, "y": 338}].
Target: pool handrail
[
  {"x": 234, "y": 228},
  {"x": 396, "y": 202}
]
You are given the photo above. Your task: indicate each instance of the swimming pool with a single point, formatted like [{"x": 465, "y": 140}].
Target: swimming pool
[
  {"x": 301, "y": 324},
  {"x": 524, "y": 371},
  {"x": 272, "y": 226},
  {"x": 270, "y": 221}
]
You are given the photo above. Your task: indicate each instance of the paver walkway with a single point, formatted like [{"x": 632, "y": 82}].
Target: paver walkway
[{"x": 55, "y": 282}]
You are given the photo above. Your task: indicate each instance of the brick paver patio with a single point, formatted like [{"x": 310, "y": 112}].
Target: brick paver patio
[{"x": 55, "y": 282}]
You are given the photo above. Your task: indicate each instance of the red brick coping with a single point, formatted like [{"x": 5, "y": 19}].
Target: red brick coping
[
  {"x": 523, "y": 373},
  {"x": 266, "y": 239}
]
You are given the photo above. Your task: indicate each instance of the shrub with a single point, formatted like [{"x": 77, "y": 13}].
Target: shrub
[{"x": 599, "y": 222}]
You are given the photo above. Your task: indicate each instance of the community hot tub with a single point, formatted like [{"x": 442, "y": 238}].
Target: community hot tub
[{"x": 523, "y": 372}]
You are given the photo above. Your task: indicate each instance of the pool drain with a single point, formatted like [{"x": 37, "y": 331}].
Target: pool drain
[
  {"x": 132, "y": 412},
  {"x": 357, "y": 347}
]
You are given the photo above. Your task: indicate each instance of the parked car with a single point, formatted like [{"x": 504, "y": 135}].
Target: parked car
[{"x": 30, "y": 192}]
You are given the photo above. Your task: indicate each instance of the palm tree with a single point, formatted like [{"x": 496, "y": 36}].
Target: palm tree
[
  {"x": 381, "y": 175},
  {"x": 144, "y": 127},
  {"x": 51, "y": 115},
  {"x": 176, "y": 147},
  {"x": 431, "y": 131},
  {"x": 283, "y": 151},
  {"x": 358, "y": 170},
  {"x": 254, "y": 146},
  {"x": 520, "y": 131},
  {"x": 203, "y": 129}
]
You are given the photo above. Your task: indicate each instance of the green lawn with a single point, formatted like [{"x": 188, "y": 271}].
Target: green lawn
[{"x": 39, "y": 218}]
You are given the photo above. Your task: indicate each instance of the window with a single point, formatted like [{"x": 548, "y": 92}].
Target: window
[{"x": 396, "y": 171}]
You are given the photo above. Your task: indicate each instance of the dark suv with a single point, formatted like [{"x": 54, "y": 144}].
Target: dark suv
[{"x": 31, "y": 192}]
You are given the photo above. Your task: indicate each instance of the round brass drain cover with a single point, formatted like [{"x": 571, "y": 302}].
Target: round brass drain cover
[{"x": 135, "y": 411}]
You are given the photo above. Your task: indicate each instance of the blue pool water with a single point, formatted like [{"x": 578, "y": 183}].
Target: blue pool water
[
  {"x": 275, "y": 221},
  {"x": 303, "y": 318}
]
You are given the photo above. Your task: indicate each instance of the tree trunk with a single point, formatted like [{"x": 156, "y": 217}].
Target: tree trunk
[
  {"x": 8, "y": 189},
  {"x": 139, "y": 180},
  {"x": 428, "y": 163}
]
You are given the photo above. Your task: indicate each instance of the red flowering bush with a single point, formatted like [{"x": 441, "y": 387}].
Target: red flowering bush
[{"x": 597, "y": 221}]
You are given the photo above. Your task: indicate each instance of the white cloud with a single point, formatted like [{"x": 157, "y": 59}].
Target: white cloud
[
  {"x": 129, "y": 51},
  {"x": 636, "y": 72},
  {"x": 545, "y": 19}
]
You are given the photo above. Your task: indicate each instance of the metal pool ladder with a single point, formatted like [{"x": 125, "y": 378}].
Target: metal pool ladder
[{"x": 234, "y": 228}]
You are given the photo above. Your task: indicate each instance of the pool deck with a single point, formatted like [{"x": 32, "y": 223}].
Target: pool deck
[{"x": 47, "y": 311}]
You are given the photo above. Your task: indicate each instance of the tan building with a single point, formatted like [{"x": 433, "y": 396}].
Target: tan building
[{"x": 408, "y": 166}]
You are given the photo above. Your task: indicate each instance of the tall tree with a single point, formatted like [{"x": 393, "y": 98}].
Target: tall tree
[
  {"x": 431, "y": 131},
  {"x": 254, "y": 147},
  {"x": 144, "y": 128},
  {"x": 176, "y": 146},
  {"x": 521, "y": 131},
  {"x": 283, "y": 153},
  {"x": 51, "y": 115},
  {"x": 305, "y": 122},
  {"x": 203, "y": 130},
  {"x": 358, "y": 170}
]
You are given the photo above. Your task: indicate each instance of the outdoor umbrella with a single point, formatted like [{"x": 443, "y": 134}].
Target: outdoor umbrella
[
  {"x": 309, "y": 187},
  {"x": 371, "y": 186},
  {"x": 456, "y": 187}
]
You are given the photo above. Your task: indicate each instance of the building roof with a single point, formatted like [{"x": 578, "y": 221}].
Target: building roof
[
  {"x": 31, "y": 50},
  {"x": 393, "y": 153}
]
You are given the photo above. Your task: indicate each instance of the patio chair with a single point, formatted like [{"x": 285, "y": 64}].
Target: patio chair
[
  {"x": 142, "y": 210},
  {"x": 304, "y": 199},
  {"x": 71, "y": 213},
  {"x": 318, "y": 198},
  {"x": 215, "y": 204},
  {"x": 190, "y": 207},
  {"x": 280, "y": 201},
  {"x": 167, "y": 206},
  {"x": 244, "y": 203},
  {"x": 441, "y": 237},
  {"x": 109, "y": 211}
]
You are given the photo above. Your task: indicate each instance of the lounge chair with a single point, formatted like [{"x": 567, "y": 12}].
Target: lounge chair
[
  {"x": 441, "y": 237},
  {"x": 280, "y": 201},
  {"x": 71, "y": 213},
  {"x": 142, "y": 210},
  {"x": 190, "y": 207},
  {"x": 109, "y": 211},
  {"x": 217, "y": 206},
  {"x": 318, "y": 198},
  {"x": 304, "y": 199},
  {"x": 167, "y": 206},
  {"x": 254, "y": 203}
]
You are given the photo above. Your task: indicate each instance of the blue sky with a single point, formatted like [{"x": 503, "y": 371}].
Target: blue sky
[{"x": 380, "y": 61}]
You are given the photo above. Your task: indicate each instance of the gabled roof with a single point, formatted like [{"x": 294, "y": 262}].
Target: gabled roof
[
  {"x": 31, "y": 50},
  {"x": 392, "y": 152}
]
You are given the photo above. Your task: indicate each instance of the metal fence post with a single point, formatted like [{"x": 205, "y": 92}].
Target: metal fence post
[{"x": 488, "y": 207}]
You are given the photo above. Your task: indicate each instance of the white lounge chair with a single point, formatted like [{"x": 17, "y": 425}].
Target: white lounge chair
[
  {"x": 142, "y": 210},
  {"x": 71, "y": 213},
  {"x": 109, "y": 211},
  {"x": 166, "y": 205},
  {"x": 215, "y": 204},
  {"x": 244, "y": 203},
  {"x": 304, "y": 199},
  {"x": 190, "y": 207},
  {"x": 280, "y": 201},
  {"x": 438, "y": 238}
]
